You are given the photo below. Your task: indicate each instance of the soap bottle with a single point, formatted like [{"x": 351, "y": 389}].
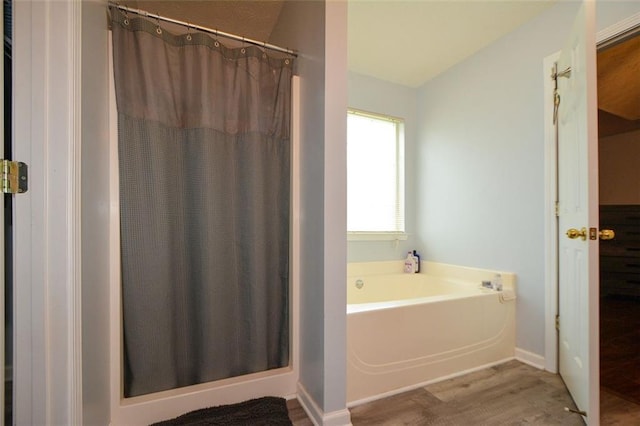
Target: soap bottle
[
  {"x": 497, "y": 282},
  {"x": 416, "y": 256},
  {"x": 409, "y": 264}
]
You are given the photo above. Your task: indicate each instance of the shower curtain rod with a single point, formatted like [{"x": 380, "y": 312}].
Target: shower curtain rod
[{"x": 205, "y": 29}]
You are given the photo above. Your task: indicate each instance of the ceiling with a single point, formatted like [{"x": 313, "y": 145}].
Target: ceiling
[
  {"x": 410, "y": 42},
  {"x": 402, "y": 41},
  {"x": 619, "y": 88}
]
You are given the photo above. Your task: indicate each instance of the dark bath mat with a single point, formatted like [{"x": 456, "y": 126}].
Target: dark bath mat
[{"x": 268, "y": 410}]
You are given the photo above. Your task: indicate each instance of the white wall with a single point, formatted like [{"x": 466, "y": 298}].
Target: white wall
[
  {"x": 619, "y": 157},
  {"x": 373, "y": 95},
  {"x": 95, "y": 215},
  {"x": 481, "y": 152},
  {"x": 318, "y": 31}
]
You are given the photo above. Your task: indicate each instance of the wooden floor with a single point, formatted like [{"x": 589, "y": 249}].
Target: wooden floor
[
  {"x": 620, "y": 361},
  {"x": 620, "y": 346},
  {"x": 509, "y": 394},
  {"x": 616, "y": 411}
]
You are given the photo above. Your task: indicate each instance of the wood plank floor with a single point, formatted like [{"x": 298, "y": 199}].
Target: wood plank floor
[
  {"x": 508, "y": 394},
  {"x": 616, "y": 411},
  {"x": 297, "y": 414},
  {"x": 620, "y": 346}
]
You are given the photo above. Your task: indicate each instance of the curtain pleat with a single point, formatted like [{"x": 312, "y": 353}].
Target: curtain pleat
[{"x": 203, "y": 134}]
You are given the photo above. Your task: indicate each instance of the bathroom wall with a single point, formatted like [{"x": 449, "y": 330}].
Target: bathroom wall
[
  {"x": 317, "y": 29},
  {"x": 619, "y": 157},
  {"x": 373, "y": 95},
  {"x": 481, "y": 156},
  {"x": 95, "y": 215}
]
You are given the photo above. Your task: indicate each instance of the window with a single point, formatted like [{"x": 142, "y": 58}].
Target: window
[{"x": 375, "y": 176}]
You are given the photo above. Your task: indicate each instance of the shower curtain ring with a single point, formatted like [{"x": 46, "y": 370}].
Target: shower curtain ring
[
  {"x": 126, "y": 17},
  {"x": 189, "y": 33},
  {"x": 158, "y": 29}
]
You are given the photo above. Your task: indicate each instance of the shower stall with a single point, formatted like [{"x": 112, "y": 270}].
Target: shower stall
[{"x": 150, "y": 215}]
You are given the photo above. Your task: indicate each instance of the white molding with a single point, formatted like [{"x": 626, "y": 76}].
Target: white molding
[
  {"x": 550, "y": 220},
  {"x": 3, "y": 266},
  {"x": 377, "y": 236},
  {"x": 529, "y": 358},
  {"x": 337, "y": 418},
  {"x": 628, "y": 24},
  {"x": 296, "y": 223},
  {"x": 47, "y": 351},
  {"x": 74, "y": 16},
  {"x": 62, "y": 134},
  {"x": 319, "y": 417},
  {"x": 551, "y": 269},
  {"x": 308, "y": 404},
  {"x": 115, "y": 309}
]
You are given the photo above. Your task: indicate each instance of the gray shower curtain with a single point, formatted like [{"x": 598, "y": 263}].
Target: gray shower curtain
[{"x": 203, "y": 134}]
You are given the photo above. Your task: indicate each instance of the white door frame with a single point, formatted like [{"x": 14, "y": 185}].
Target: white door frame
[
  {"x": 47, "y": 124},
  {"x": 551, "y": 229}
]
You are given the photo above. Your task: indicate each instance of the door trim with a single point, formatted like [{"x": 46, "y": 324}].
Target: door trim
[
  {"x": 47, "y": 263},
  {"x": 550, "y": 162}
]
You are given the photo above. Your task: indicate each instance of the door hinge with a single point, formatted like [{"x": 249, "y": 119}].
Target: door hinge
[
  {"x": 557, "y": 209},
  {"x": 14, "y": 177},
  {"x": 558, "y": 322}
]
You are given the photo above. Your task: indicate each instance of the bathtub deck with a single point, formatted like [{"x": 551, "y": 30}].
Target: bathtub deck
[{"x": 511, "y": 393}]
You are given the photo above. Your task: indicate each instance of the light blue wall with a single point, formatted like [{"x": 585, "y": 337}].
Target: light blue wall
[
  {"x": 335, "y": 212},
  {"x": 302, "y": 26},
  {"x": 317, "y": 29},
  {"x": 481, "y": 156},
  {"x": 95, "y": 215},
  {"x": 373, "y": 95}
]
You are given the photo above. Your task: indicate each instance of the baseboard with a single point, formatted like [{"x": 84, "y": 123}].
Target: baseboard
[
  {"x": 319, "y": 417},
  {"x": 309, "y": 405},
  {"x": 530, "y": 358}
]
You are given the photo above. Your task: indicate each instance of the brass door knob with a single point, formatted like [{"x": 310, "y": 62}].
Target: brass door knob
[
  {"x": 574, "y": 233},
  {"x": 607, "y": 234}
]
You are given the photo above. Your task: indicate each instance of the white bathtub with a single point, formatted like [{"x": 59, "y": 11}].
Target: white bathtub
[{"x": 404, "y": 331}]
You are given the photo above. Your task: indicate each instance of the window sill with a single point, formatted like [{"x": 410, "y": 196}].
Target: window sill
[{"x": 376, "y": 236}]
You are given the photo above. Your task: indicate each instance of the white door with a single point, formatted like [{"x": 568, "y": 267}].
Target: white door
[
  {"x": 2, "y": 245},
  {"x": 578, "y": 211}
]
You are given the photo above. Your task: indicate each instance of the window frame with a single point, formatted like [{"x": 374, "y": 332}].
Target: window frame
[{"x": 395, "y": 235}]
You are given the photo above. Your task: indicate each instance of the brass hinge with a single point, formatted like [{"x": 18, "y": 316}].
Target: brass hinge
[
  {"x": 557, "y": 209},
  {"x": 14, "y": 177},
  {"x": 555, "y": 74},
  {"x": 558, "y": 322}
]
